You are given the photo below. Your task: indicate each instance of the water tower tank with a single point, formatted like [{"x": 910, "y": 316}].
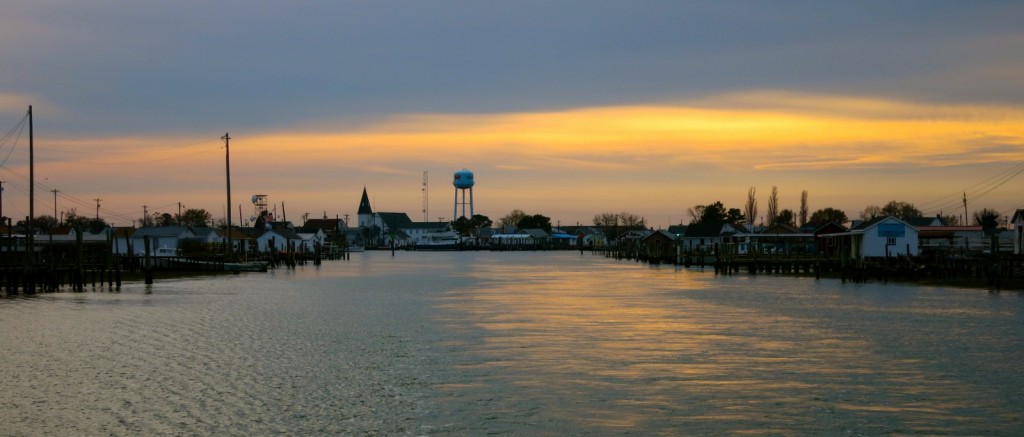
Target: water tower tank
[{"x": 463, "y": 179}]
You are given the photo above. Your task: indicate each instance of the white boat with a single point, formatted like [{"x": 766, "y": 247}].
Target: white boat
[{"x": 447, "y": 240}]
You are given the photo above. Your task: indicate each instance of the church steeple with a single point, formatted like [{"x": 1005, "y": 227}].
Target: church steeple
[
  {"x": 364, "y": 204},
  {"x": 365, "y": 213}
]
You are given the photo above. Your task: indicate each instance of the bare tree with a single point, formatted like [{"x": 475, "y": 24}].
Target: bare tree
[
  {"x": 773, "y": 206},
  {"x": 803, "y": 208},
  {"x": 870, "y": 212},
  {"x": 606, "y": 219},
  {"x": 750, "y": 210},
  {"x": 512, "y": 218},
  {"x": 632, "y": 221},
  {"x": 696, "y": 213}
]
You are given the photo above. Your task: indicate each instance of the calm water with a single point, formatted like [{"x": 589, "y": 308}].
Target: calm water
[{"x": 511, "y": 343}]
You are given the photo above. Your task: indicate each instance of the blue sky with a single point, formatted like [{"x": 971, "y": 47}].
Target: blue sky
[{"x": 141, "y": 85}]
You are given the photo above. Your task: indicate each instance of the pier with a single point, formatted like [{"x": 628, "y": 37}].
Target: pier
[{"x": 995, "y": 271}]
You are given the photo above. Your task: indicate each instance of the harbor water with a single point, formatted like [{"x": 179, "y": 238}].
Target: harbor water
[{"x": 513, "y": 343}]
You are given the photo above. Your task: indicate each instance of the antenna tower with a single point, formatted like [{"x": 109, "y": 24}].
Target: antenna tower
[{"x": 426, "y": 204}]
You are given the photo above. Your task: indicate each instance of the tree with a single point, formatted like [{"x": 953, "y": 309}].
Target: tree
[
  {"x": 734, "y": 216},
  {"x": 825, "y": 216},
  {"x": 696, "y": 212},
  {"x": 606, "y": 219},
  {"x": 803, "y": 208},
  {"x": 41, "y": 223},
  {"x": 75, "y": 221},
  {"x": 632, "y": 221},
  {"x": 470, "y": 226},
  {"x": 785, "y": 217},
  {"x": 950, "y": 220},
  {"x": 535, "y": 221},
  {"x": 750, "y": 209},
  {"x": 512, "y": 218},
  {"x": 195, "y": 217},
  {"x": 901, "y": 210},
  {"x": 870, "y": 212},
  {"x": 711, "y": 213},
  {"x": 986, "y": 218},
  {"x": 773, "y": 206},
  {"x": 164, "y": 219}
]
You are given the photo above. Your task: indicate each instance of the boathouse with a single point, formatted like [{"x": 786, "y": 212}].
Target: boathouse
[
  {"x": 163, "y": 240},
  {"x": 1018, "y": 231},
  {"x": 879, "y": 237}
]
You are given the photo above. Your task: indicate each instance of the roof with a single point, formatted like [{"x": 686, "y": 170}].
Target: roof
[
  {"x": 661, "y": 233},
  {"x": 1017, "y": 213},
  {"x": 535, "y": 233},
  {"x": 160, "y": 231},
  {"x": 781, "y": 228},
  {"x": 323, "y": 224},
  {"x": 860, "y": 228},
  {"x": 704, "y": 230},
  {"x": 286, "y": 233},
  {"x": 395, "y": 219},
  {"x": 204, "y": 231},
  {"x": 829, "y": 228},
  {"x": 677, "y": 229},
  {"x": 364, "y": 204},
  {"x": 924, "y": 221}
]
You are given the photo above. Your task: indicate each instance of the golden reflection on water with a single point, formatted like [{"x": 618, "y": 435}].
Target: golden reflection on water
[{"x": 628, "y": 347}]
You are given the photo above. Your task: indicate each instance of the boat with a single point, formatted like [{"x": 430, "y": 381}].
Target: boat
[{"x": 447, "y": 240}]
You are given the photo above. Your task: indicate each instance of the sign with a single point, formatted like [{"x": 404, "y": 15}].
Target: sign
[{"x": 890, "y": 230}]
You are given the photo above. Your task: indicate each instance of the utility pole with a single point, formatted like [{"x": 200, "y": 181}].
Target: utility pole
[
  {"x": 227, "y": 174},
  {"x": 97, "y": 208},
  {"x": 145, "y": 216},
  {"x": 55, "y": 191},
  {"x": 1, "y": 202},
  {"x": 426, "y": 203},
  {"x": 965, "y": 209},
  {"x": 179, "y": 213},
  {"x": 29, "y": 238}
]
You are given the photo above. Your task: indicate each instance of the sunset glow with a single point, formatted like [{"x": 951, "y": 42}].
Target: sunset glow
[{"x": 650, "y": 110}]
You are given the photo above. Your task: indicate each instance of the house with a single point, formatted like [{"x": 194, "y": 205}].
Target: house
[
  {"x": 207, "y": 235},
  {"x": 1018, "y": 231},
  {"x": 828, "y": 246},
  {"x": 879, "y": 237},
  {"x": 310, "y": 239},
  {"x": 591, "y": 237},
  {"x": 701, "y": 237},
  {"x": 780, "y": 238},
  {"x": 277, "y": 240},
  {"x": 659, "y": 244},
  {"x": 163, "y": 240},
  {"x": 932, "y": 238}
]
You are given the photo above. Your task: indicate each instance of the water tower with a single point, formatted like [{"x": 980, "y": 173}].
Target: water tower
[{"x": 463, "y": 181}]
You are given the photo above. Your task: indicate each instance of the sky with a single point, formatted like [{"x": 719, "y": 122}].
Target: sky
[{"x": 562, "y": 108}]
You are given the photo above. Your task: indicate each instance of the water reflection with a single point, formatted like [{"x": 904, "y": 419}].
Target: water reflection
[
  {"x": 610, "y": 346},
  {"x": 510, "y": 343}
]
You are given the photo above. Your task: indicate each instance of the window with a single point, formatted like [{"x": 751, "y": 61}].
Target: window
[{"x": 891, "y": 241}]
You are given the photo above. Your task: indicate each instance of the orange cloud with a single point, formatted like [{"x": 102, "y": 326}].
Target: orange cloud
[{"x": 577, "y": 155}]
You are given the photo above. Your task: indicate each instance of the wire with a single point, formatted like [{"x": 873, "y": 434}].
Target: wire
[{"x": 20, "y": 127}]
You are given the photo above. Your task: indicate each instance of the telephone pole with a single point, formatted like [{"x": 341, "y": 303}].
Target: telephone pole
[
  {"x": 54, "y": 191},
  {"x": 97, "y": 208},
  {"x": 227, "y": 174},
  {"x": 426, "y": 203},
  {"x": 965, "y": 209}
]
